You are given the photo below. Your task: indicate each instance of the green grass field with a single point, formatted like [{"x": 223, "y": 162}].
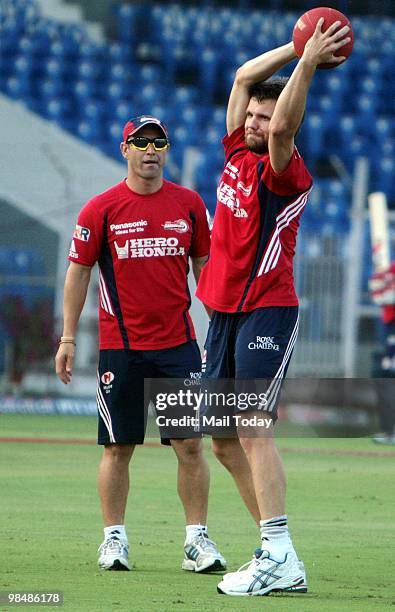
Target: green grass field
[{"x": 341, "y": 509}]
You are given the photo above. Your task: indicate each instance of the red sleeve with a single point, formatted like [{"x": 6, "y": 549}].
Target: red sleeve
[
  {"x": 234, "y": 141},
  {"x": 87, "y": 237},
  {"x": 200, "y": 245},
  {"x": 388, "y": 311},
  {"x": 294, "y": 179}
]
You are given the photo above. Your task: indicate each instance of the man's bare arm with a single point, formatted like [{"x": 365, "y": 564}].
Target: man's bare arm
[
  {"x": 258, "y": 69},
  {"x": 198, "y": 264},
  {"x": 290, "y": 106},
  {"x": 75, "y": 290}
]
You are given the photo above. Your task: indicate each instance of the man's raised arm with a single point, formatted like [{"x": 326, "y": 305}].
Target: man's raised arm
[
  {"x": 291, "y": 104},
  {"x": 258, "y": 69}
]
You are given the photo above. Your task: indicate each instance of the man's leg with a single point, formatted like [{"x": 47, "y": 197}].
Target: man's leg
[
  {"x": 113, "y": 482},
  {"x": 201, "y": 554},
  {"x": 268, "y": 474},
  {"x": 113, "y": 485},
  {"x": 264, "y": 344},
  {"x": 232, "y": 456},
  {"x": 193, "y": 479}
]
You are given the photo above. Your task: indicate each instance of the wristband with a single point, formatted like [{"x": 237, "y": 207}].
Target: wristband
[{"x": 67, "y": 340}]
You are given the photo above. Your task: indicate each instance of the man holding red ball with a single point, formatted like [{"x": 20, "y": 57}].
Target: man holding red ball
[{"x": 248, "y": 283}]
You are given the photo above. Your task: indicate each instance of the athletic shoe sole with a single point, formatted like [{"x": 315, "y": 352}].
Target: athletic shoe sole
[
  {"x": 214, "y": 566},
  {"x": 117, "y": 566},
  {"x": 299, "y": 587}
]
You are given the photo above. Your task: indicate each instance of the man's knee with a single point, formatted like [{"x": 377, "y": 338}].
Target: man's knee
[
  {"x": 227, "y": 451},
  {"x": 119, "y": 453},
  {"x": 188, "y": 450},
  {"x": 254, "y": 444}
]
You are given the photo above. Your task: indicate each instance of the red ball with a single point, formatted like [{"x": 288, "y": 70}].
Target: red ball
[{"x": 306, "y": 24}]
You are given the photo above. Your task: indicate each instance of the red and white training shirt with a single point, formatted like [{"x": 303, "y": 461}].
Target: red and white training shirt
[
  {"x": 142, "y": 244},
  {"x": 254, "y": 232}
]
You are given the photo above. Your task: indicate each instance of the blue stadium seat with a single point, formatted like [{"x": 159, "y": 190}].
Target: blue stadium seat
[
  {"x": 57, "y": 109},
  {"x": 23, "y": 66},
  {"x": 94, "y": 110},
  {"x": 50, "y": 88},
  {"x": 337, "y": 190},
  {"x": 118, "y": 72},
  {"x": 314, "y": 132},
  {"x": 384, "y": 173},
  {"x": 90, "y": 131},
  {"x": 114, "y": 91},
  {"x": 335, "y": 211},
  {"x": 165, "y": 114},
  {"x": 115, "y": 131},
  {"x": 123, "y": 111},
  {"x": 87, "y": 70},
  {"x": 52, "y": 68},
  {"x": 208, "y": 72},
  {"x": 17, "y": 87},
  {"x": 387, "y": 147},
  {"x": 119, "y": 52},
  {"x": 21, "y": 261}
]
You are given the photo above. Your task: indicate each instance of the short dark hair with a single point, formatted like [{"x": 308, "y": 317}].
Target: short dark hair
[{"x": 268, "y": 90}]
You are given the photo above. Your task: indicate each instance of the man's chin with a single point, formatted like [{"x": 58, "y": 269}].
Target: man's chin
[
  {"x": 256, "y": 146},
  {"x": 151, "y": 172}
]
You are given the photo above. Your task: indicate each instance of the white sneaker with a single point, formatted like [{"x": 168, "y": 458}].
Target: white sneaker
[
  {"x": 263, "y": 575},
  {"x": 202, "y": 555},
  {"x": 299, "y": 588},
  {"x": 384, "y": 438},
  {"x": 114, "y": 555}
]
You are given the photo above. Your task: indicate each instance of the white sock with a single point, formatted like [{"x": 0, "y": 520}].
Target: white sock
[
  {"x": 275, "y": 537},
  {"x": 192, "y": 531},
  {"x": 117, "y": 531}
]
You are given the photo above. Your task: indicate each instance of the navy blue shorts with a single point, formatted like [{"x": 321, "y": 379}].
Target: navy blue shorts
[
  {"x": 253, "y": 346},
  {"x": 122, "y": 404}
]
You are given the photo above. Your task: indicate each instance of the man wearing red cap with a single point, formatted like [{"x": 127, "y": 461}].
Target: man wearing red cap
[{"x": 141, "y": 232}]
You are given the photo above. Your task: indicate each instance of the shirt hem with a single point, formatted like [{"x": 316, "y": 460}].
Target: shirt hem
[
  {"x": 248, "y": 307},
  {"x": 147, "y": 347},
  {"x": 82, "y": 263}
]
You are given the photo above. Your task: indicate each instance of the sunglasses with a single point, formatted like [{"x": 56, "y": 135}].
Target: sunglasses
[{"x": 142, "y": 143}]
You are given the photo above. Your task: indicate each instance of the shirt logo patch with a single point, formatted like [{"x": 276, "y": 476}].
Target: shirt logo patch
[
  {"x": 231, "y": 170},
  {"x": 245, "y": 190},
  {"x": 107, "y": 378},
  {"x": 129, "y": 227},
  {"x": 227, "y": 195},
  {"x": 81, "y": 233},
  {"x": 149, "y": 247},
  {"x": 180, "y": 226},
  {"x": 73, "y": 251}
]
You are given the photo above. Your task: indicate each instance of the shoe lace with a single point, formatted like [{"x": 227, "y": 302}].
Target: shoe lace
[
  {"x": 253, "y": 562},
  {"x": 206, "y": 544},
  {"x": 113, "y": 545}
]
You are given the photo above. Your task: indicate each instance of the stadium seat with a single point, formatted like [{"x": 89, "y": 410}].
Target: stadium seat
[
  {"x": 17, "y": 87},
  {"x": 314, "y": 131},
  {"x": 57, "y": 109},
  {"x": 384, "y": 173}
]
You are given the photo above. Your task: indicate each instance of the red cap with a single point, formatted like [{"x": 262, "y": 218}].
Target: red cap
[{"x": 135, "y": 124}]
